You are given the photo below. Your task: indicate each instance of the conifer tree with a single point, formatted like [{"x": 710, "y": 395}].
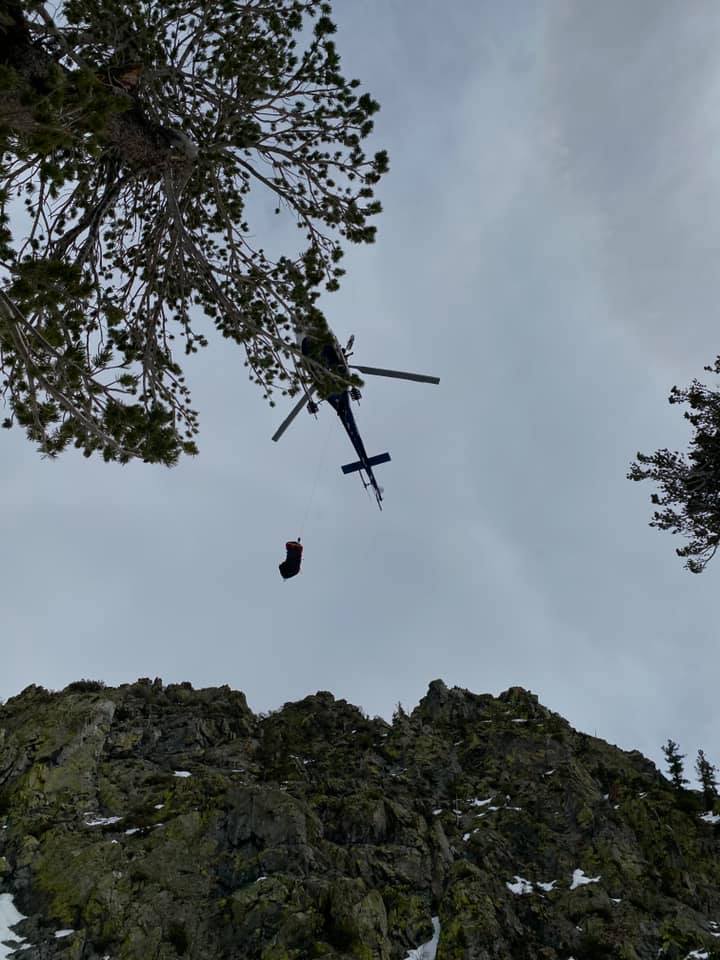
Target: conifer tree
[
  {"x": 706, "y": 775},
  {"x": 689, "y": 484},
  {"x": 133, "y": 133},
  {"x": 675, "y": 764}
]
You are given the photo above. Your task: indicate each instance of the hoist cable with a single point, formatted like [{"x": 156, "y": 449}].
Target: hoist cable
[{"x": 321, "y": 461}]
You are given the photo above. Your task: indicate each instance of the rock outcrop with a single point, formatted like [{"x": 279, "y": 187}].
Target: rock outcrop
[{"x": 152, "y": 822}]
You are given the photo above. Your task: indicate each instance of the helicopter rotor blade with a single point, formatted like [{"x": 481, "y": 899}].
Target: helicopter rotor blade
[
  {"x": 399, "y": 374},
  {"x": 291, "y": 416}
]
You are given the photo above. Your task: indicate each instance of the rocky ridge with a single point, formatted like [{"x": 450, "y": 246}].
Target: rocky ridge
[{"x": 151, "y": 822}]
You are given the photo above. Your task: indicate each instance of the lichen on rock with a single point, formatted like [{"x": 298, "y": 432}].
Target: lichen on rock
[{"x": 316, "y": 831}]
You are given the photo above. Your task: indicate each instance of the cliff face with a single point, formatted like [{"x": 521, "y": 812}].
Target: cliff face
[{"x": 162, "y": 822}]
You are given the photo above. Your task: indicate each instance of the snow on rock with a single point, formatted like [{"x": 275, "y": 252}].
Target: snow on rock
[
  {"x": 698, "y": 955},
  {"x": 9, "y": 916},
  {"x": 182, "y": 773},
  {"x": 427, "y": 951},
  {"x": 579, "y": 879},
  {"x": 520, "y": 886}
]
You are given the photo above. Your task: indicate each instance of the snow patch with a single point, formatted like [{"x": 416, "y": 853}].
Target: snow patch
[
  {"x": 547, "y": 887},
  {"x": 710, "y": 818},
  {"x": 63, "y": 933},
  {"x": 579, "y": 879},
  {"x": 182, "y": 773},
  {"x": 520, "y": 886},
  {"x": 436, "y": 812},
  {"x": 9, "y": 916},
  {"x": 479, "y": 803},
  {"x": 698, "y": 955},
  {"x": 427, "y": 951},
  {"x": 159, "y": 806},
  {"x": 100, "y": 821}
]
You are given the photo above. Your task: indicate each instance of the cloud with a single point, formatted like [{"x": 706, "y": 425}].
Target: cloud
[{"x": 631, "y": 93}]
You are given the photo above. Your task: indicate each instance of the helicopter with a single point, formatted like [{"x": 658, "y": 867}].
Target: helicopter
[{"x": 327, "y": 372}]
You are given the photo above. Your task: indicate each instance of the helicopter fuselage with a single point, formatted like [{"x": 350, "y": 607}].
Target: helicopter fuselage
[{"x": 332, "y": 357}]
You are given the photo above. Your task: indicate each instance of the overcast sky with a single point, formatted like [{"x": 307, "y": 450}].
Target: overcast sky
[{"x": 549, "y": 247}]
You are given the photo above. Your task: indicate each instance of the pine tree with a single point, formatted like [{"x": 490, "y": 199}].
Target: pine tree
[
  {"x": 133, "y": 133},
  {"x": 706, "y": 775},
  {"x": 675, "y": 764},
  {"x": 689, "y": 484}
]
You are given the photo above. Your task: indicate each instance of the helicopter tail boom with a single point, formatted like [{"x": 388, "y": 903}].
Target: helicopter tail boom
[{"x": 370, "y": 462}]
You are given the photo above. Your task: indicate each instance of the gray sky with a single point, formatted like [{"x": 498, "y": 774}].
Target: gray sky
[{"x": 549, "y": 248}]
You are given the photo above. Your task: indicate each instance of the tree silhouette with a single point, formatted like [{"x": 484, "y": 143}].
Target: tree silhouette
[
  {"x": 706, "y": 775},
  {"x": 132, "y": 132},
  {"x": 675, "y": 764},
  {"x": 689, "y": 484}
]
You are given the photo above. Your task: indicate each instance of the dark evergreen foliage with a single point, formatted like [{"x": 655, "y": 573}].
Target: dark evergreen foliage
[
  {"x": 133, "y": 132},
  {"x": 675, "y": 764},
  {"x": 689, "y": 483},
  {"x": 706, "y": 776}
]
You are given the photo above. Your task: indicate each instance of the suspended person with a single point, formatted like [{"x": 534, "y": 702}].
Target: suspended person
[{"x": 290, "y": 566}]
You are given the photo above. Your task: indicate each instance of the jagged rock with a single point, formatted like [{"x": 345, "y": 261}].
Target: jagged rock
[{"x": 165, "y": 822}]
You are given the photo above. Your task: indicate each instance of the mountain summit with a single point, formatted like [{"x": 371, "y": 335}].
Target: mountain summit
[{"x": 151, "y": 822}]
